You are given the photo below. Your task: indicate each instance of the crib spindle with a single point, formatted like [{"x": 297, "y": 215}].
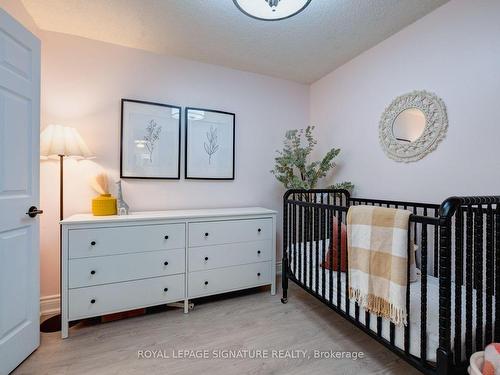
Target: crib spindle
[
  {"x": 407, "y": 327},
  {"x": 305, "y": 240},
  {"x": 356, "y": 305},
  {"x": 423, "y": 295},
  {"x": 317, "y": 237},
  {"x": 286, "y": 250},
  {"x": 436, "y": 245},
  {"x": 468, "y": 282},
  {"x": 459, "y": 264},
  {"x": 415, "y": 212},
  {"x": 287, "y": 234},
  {"x": 338, "y": 214},
  {"x": 379, "y": 326},
  {"x": 489, "y": 275},
  {"x": 497, "y": 273},
  {"x": 478, "y": 274},
  {"x": 347, "y": 301},
  {"x": 323, "y": 252},
  {"x": 311, "y": 234},
  {"x": 294, "y": 236},
  {"x": 421, "y": 268},
  {"x": 301, "y": 252},
  {"x": 445, "y": 288},
  {"x": 330, "y": 258}
]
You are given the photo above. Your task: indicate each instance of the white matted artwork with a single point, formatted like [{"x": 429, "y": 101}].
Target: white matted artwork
[
  {"x": 209, "y": 144},
  {"x": 150, "y": 140}
]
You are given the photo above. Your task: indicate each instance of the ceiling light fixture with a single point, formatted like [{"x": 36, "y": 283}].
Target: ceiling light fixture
[{"x": 271, "y": 10}]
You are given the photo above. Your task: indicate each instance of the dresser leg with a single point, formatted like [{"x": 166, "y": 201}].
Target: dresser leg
[
  {"x": 64, "y": 328},
  {"x": 273, "y": 288},
  {"x": 186, "y": 306}
]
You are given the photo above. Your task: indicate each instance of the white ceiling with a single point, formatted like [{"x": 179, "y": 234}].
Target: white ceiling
[{"x": 303, "y": 48}]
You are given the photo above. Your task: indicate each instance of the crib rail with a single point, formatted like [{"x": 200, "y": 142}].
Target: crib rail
[
  {"x": 458, "y": 240},
  {"x": 394, "y": 204}
]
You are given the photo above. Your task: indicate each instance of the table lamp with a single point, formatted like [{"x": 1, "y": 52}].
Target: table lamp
[{"x": 58, "y": 142}]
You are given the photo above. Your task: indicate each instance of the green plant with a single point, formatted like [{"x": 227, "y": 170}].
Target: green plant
[{"x": 293, "y": 168}]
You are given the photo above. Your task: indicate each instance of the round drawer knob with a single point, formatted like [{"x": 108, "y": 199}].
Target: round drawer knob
[
  {"x": 259, "y": 230},
  {"x": 258, "y": 251},
  {"x": 165, "y": 289},
  {"x": 165, "y": 263},
  {"x": 206, "y": 258},
  {"x": 206, "y": 282},
  {"x": 92, "y": 272},
  {"x": 93, "y": 243},
  {"x": 92, "y": 301},
  {"x": 258, "y": 274},
  {"x": 166, "y": 237},
  {"x": 206, "y": 234}
]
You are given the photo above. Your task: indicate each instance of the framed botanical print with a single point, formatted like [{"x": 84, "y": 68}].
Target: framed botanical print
[
  {"x": 150, "y": 140},
  {"x": 209, "y": 144}
]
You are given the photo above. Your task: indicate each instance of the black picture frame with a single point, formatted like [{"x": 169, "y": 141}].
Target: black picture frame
[
  {"x": 124, "y": 176},
  {"x": 186, "y": 144}
]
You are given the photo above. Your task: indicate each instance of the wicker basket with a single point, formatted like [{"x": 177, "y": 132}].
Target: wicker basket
[{"x": 104, "y": 205}]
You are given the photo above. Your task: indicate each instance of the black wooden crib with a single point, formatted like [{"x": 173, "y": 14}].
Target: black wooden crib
[{"x": 451, "y": 308}]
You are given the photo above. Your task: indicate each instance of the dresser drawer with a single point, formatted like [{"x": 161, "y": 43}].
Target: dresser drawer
[
  {"x": 230, "y": 278},
  {"x": 221, "y": 232},
  {"x": 110, "y": 298},
  {"x": 125, "y": 267},
  {"x": 119, "y": 240},
  {"x": 216, "y": 256}
]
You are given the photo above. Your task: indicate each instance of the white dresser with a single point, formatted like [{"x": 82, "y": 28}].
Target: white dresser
[{"x": 118, "y": 263}]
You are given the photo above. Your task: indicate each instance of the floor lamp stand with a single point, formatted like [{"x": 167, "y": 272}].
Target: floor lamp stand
[{"x": 53, "y": 324}]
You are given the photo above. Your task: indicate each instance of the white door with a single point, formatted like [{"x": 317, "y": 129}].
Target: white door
[{"x": 19, "y": 190}]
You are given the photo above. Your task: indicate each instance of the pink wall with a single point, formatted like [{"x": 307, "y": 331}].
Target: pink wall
[
  {"x": 453, "y": 52},
  {"x": 82, "y": 84}
]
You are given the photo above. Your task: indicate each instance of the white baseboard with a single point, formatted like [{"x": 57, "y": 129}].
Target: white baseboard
[
  {"x": 49, "y": 305},
  {"x": 278, "y": 268}
]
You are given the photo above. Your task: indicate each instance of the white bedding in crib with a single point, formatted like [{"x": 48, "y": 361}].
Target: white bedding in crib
[{"x": 415, "y": 306}]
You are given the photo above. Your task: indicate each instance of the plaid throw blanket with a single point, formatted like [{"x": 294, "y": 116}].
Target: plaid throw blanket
[{"x": 378, "y": 260}]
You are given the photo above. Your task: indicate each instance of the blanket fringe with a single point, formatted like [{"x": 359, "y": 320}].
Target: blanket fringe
[{"x": 379, "y": 306}]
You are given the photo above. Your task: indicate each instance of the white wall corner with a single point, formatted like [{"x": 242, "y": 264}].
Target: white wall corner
[{"x": 49, "y": 305}]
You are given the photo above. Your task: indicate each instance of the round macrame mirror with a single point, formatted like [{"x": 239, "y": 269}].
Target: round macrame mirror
[{"x": 412, "y": 126}]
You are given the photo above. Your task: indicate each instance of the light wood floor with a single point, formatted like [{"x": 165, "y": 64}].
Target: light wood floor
[{"x": 250, "y": 320}]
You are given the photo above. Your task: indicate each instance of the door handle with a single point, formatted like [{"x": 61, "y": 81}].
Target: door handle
[{"x": 33, "y": 211}]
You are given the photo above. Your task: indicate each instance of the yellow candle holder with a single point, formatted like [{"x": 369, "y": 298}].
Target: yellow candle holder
[{"x": 104, "y": 205}]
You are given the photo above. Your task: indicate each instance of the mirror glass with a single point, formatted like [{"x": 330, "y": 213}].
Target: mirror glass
[{"x": 409, "y": 125}]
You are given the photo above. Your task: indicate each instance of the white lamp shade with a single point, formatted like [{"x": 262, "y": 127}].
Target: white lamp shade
[{"x": 57, "y": 140}]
